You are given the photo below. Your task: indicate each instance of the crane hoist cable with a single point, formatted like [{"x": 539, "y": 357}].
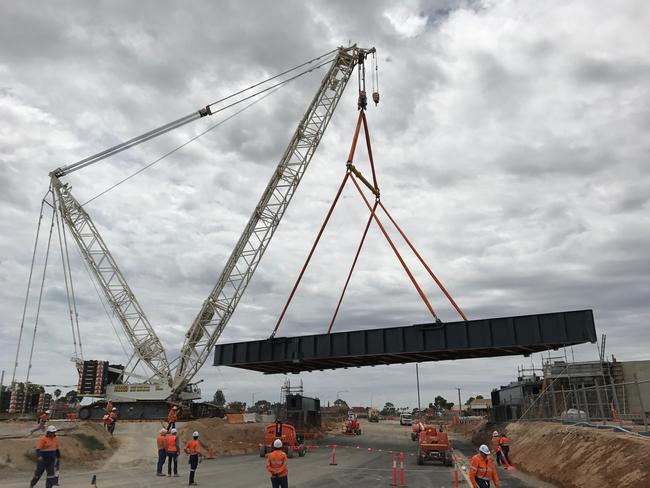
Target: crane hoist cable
[{"x": 267, "y": 92}]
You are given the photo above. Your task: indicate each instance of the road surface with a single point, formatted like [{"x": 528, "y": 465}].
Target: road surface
[{"x": 367, "y": 466}]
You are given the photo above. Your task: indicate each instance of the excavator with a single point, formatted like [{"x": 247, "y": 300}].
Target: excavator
[{"x": 165, "y": 383}]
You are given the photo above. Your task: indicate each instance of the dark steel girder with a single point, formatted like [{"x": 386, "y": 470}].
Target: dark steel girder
[{"x": 502, "y": 336}]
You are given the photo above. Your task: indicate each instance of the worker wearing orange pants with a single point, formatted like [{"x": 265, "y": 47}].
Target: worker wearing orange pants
[
  {"x": 504, "y": 444},
  {"x": 276, "y": 464},
  {"x": 482, "y": 470}
]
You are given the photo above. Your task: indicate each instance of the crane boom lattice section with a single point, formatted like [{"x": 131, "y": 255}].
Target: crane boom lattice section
[
  {"x": 147, "y": 346},
  {"x": 222, "y": 301}
]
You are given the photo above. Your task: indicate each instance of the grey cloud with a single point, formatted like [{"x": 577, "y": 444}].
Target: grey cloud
[{"x": 515, "y": 159}]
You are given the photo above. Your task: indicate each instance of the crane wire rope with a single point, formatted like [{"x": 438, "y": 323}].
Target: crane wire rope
[
  {"x": 111, "y": 151},
  {"x": 65, "y": 279},
  {"x": 29, "y": 285},
  {"x": 40, "y": 298},
  {"x": 274, "y": 77},
  {"x": 74, "y": 301},
  {"x": 268, "y": 91}
]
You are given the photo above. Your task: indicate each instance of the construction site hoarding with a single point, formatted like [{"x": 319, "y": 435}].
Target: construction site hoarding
[{"x": 503, "y": 336}]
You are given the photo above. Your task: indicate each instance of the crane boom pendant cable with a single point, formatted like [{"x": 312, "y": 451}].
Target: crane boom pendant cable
[{"x": 29, "y": 285}]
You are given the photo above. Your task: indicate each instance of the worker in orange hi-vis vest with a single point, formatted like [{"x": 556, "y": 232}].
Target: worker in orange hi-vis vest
[
  {"x": 193, "y": 449},
  {"x": 173, "y": 446},
  {"x": 276, "y": 464},
  {"x": 161, "y": 444},
  {"x": 504, "y": 444},
  {"x": 47, "y": 455},
  {"x": 482, "y": 469},
  {"x": 43, "y": 419},
  {"x": 172, "y": 417}
]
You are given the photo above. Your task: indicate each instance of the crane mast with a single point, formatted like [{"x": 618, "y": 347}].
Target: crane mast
[{"x": 224, "y": 297}]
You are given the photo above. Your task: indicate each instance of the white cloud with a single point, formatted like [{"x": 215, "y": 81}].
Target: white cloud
[{"x": 405, "y": 21}]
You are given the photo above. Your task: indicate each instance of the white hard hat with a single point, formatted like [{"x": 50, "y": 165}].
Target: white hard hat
[
  {"x": 174, "y": 431},
  {"x": 195, "y": 434},
  {"x": 48, "y": 411},
  {"x": 114, "y": 409},
  {"x": 277, "y": 443},
  {"x": 174, "y": 408},
  {"x": 51, "y": 429},
  {"x": 495, "y": 434},
  {"x": 163, "y": 431},
  {"x": 484, "y": 449}
]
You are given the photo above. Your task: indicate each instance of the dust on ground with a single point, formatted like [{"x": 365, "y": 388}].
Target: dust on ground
[{"x": 572, "y": 456}]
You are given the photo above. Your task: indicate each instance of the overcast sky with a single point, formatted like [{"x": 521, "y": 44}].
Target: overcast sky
[{"x": 511, "y": 144}]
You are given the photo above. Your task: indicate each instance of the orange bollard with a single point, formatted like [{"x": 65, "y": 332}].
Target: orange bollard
[
  {"x": 394, "y": 483},
  {"x": 333, "y": 460},
  {"x": 402, "y": 481}
]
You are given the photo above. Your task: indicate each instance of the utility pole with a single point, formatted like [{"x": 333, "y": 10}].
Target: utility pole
[
  {"x": 417, "y": 378},
  {"x": 460, "y": 408}
]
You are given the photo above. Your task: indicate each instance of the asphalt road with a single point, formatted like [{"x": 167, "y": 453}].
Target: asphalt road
[{"x": 362, "y": 462}]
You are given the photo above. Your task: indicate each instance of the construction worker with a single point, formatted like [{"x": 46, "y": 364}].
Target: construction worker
[
  {"x": 109, "y": 407},
  {"x": 161, "y": 444},
  {"x": 193, "y": 449},
  {"x": 111, "y": 420},
  {"x": 482, "y": 470},
  {"x": 43, "y": 419},
  {"x": 494, "y": 447},
  {"x": 172, "y": 416},
  {"x": 173, "y": 446},
  {"x": 276, "y": 464},
  {"x": 504, "y": 444},
  {"x": 47, "y": 455}
]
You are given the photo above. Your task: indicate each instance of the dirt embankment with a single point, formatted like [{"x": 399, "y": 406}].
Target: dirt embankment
[
  {"x": 574, "y": 457},
  {"x": 224, "y": 438},
  {"x": 80, "y": 444}
]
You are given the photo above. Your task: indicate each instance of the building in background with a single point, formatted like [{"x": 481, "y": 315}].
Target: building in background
[{"x": 590, "y": 390}]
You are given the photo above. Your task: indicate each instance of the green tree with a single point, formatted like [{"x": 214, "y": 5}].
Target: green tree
[
  {"x": 389, "y": 409},
  {"x": 479, "y": 397},
  {"x": 341, "y": 405},
  {"x": 219, "y": 398},
  {"x": 469, "y": 400},
  {"x": 57, "y": 394},
  {"x": 262, "y": 406},
  {"x": 440, "y": 403},
  {"x": 236, "y": 407},
  {"x": 71, "y": 397}
]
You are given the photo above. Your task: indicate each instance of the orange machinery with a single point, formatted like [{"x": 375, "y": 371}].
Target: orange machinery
[{"x": 291, "y": 442}]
